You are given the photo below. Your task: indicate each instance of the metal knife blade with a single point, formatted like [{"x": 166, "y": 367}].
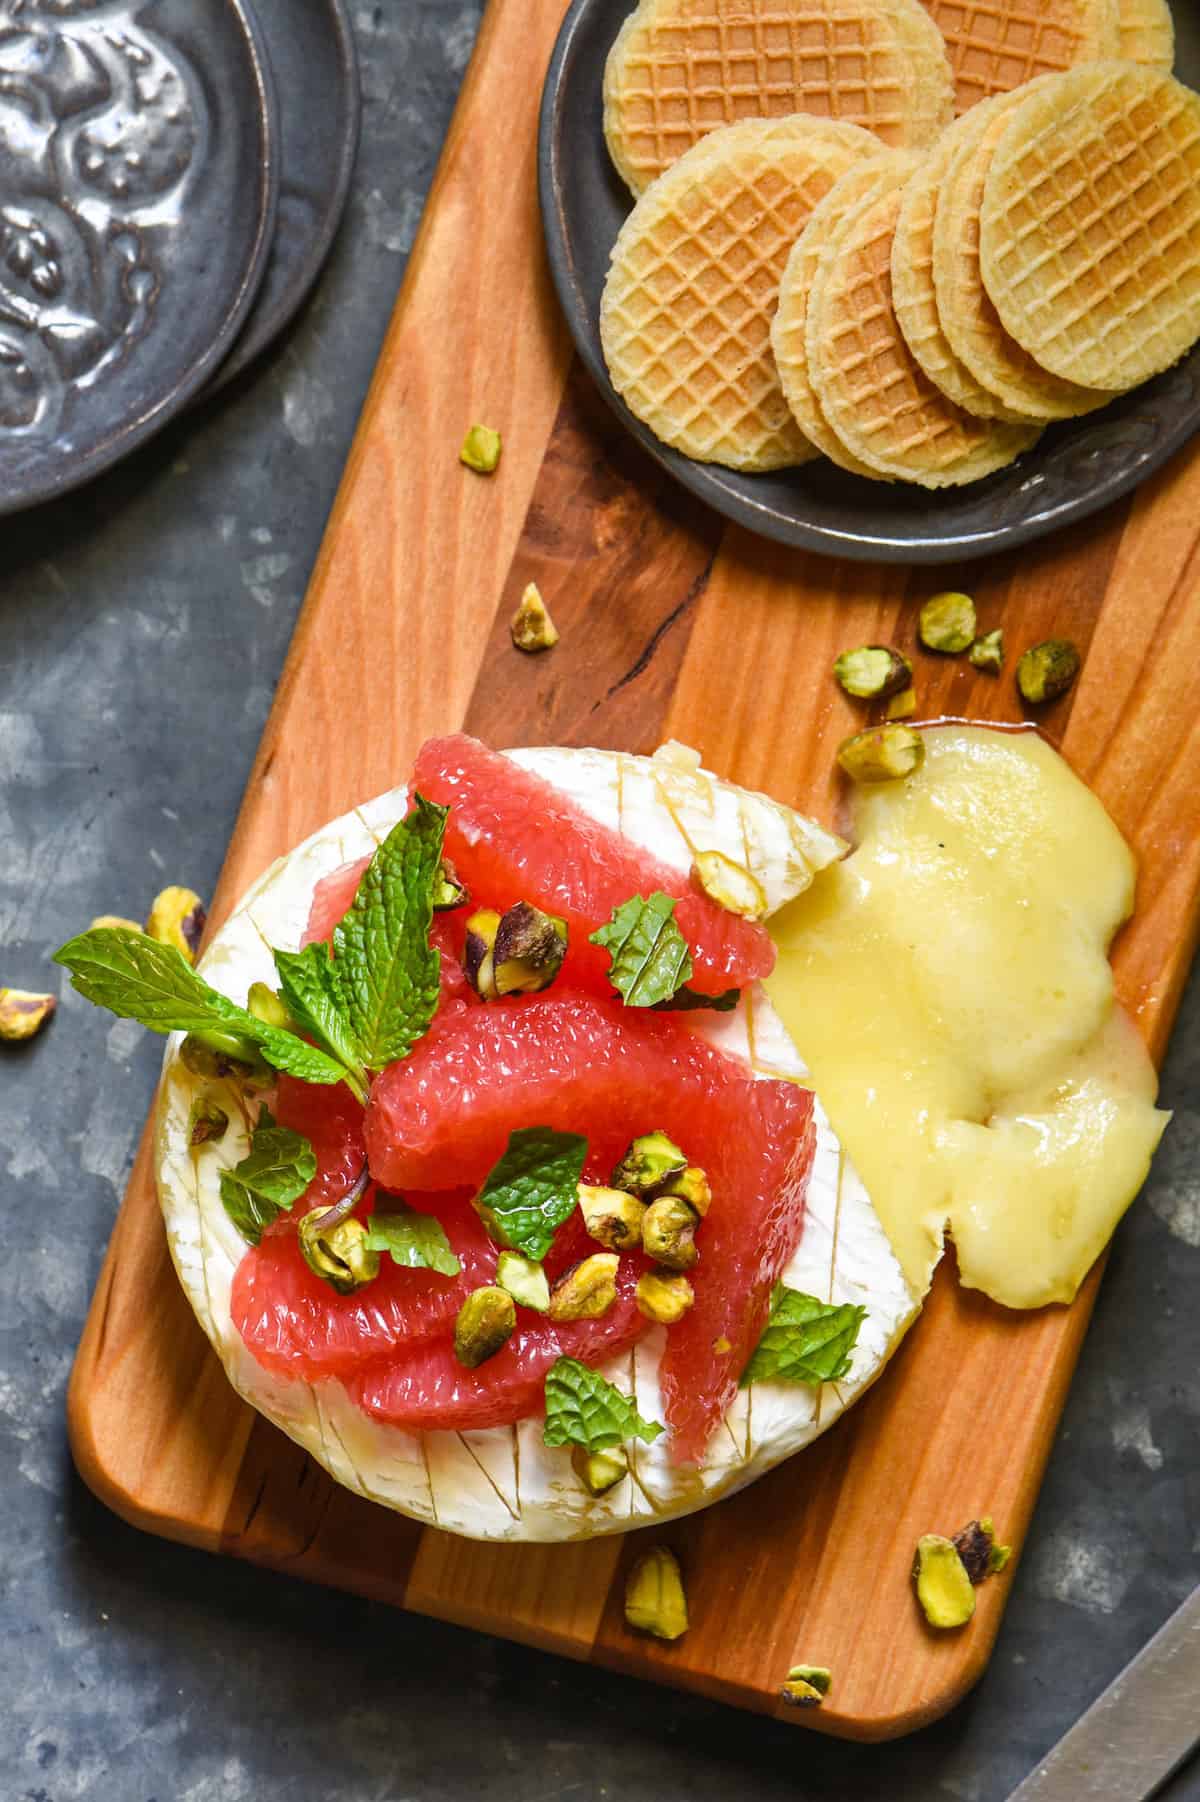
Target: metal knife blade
[{"x": 1138, "y": 1733}]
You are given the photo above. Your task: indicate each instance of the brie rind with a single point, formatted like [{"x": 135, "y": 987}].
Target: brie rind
[{"x": 502, "y": 1482}]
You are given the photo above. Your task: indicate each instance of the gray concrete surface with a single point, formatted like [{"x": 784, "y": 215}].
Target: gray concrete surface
[{"x": 143, "y": 625}]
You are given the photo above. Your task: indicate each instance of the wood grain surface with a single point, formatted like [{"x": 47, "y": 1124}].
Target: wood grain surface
[{"x": 671, "y": 626}]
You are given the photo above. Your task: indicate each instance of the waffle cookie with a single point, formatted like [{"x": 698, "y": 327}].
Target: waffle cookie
[
  {"x": 997, "y": 45},
  {"x": 1090, "y": 224},
  {"x": 685, "y": 318},
  {"x": 1147, "y": 33},
  {"x": 680, "y": 69},
  {"x": 789, "y": 328},
  {"x": 968, "y": 318},
  {"x": 872, "y": 390}
]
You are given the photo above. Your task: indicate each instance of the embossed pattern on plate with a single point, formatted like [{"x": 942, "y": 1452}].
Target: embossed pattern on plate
[
  {"x": 138, "y": 182},
  {"x": 1077, "y": 468}
]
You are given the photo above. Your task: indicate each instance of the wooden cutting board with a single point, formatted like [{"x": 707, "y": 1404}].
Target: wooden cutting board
[{"x": 671, "y": 625}]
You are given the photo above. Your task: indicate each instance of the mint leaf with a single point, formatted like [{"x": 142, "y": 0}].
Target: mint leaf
[
  {"x": 388, "y": 974},
  {"x": 805, "y": 1341},
  {"x": 533, "y": 1189},
  {"x": 309, "y": 985},
  {"x": 416, "y": 1241},
  {"x": 582, "y": 1408},
  {"x": 650, "y": 956},
  {"x": 138, "y": 978},
  {"x": 269, "y": 1180},
  {"x": 684, "y": 1000}
]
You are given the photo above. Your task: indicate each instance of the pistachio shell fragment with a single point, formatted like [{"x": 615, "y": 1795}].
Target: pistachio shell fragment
[
  {"x": 944, "y": 1589},
  {"x": 987, "y": 653},
  {"x": 655, "y": 1601},
  {"x": 587, "y": 1290},
  {"x": 882, "y": 754},
  {"x": 525, "y": 1280},
  {"x": 269, "y": 1007},
  {"x": 114, "y": 923},
  {"x": 902, "y": 706},
  {"x": 23, "y": 1013},
  {"x": 947, "y": 623},
  {"x": 669, "y": 1233},
  {"x": 207, "y": 1123},
  {"x": 1047, "y": 670},
  {"x": 807, "y": 1685},
  {"x": 650, "y": 1162},
  {"x": 532, "y": 628},
  {"x": 599, "y": 1471},
  {"x": 872, "y": 672},
  {"x": 339, "y": 1255},
  {"x": 663, "y": 1298},
  {"x": 729, "y": 885},
  {"x": 177, "y": 917},
  {"x": 611, "y": 1216},
  {"x": 485, "y": 1322},
  {"x": 481, "y": 450}
]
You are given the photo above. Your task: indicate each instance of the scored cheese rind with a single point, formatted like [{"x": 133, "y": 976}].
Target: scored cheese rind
[{"x": 503, "y": 1483}]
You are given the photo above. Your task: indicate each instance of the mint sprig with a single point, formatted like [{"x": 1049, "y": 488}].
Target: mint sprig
[
  {"x": 533, "y": 1189},
  {"x": 651, "y": 959},
  {"x": 583, "y": 1408},
  {"x": 269, "y": 1180},
  {"x": 416, "y": 1241},
  {"x": 309, "y": 985},
  {"x": 805, "y": 1340}
]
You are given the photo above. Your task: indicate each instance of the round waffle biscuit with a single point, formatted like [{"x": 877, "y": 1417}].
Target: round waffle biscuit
[
  {"x": 1147, "y": 33},
  {"x": 680, "y": 69},
  {"x": 969, "y": 320},
  {"x": 998, "y": 45},
  {"x": 685, "y": 318},
  {"x": 789, "y": 328},
  {"x": 873, "y": 392},
  {"x": 1090, "y": 224}
]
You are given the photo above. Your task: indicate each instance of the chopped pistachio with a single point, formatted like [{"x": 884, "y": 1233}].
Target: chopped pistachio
[
  {"x": 525, "y": 1280},
  {"x": 872, "y": 672},
  {"x": 177, "y": 918},
  {"x": 729, "y": 885},
  {"x": 651, "y": 1161},
  {"x": 478, "y": 963},
  {"x": 691, "y": 1185},
  {"x": 975, "y": 1544},
  {"x": 669, "y": 1233},
  {"x": 944, "y": 1589},
  {"x": 902, "y": 706},
  {"x": 882, "y": 753},
  {"x": 987, "y": 653},
  {"x": 722, "y": 1346},
  {"x": 207, "y": 1122},
  {"x": 612, "y": 1216},
  {"x": 654, "y": 1596},
  {"x": 528, "y": 950},
  {"x": 22, "y": 1013},
  {"x": 448, "y": 891},
  {"x": 221, "y": 1054},
  {"x": 599, "y": 1471},
  {"x": 484, "y": 1325},
  {"x": 947, "y": 623},
  {"x": 1047, "y": 670},
  {"x": 807, "y": 1685},
  {"x": 481, "y": 450},
  {"x": 269, "y": 1007},
  {"x": 663, "y": 1298},
  {"x": 531, "y": 627},
  {"x": 114, "y": 923},
  {"x": 340, "y": 1255},
  {"x": 587, "y": 1290},
  {"x": 998, "y": 1559}
]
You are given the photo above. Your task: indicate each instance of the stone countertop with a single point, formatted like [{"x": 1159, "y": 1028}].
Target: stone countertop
[{"x": 143, "y": 625}]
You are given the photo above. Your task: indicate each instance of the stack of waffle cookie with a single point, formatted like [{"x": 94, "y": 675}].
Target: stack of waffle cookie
[{"x": 824, "y": 260}]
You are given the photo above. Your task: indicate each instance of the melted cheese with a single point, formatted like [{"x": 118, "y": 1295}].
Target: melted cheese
[{"x": 950, "y": 990}]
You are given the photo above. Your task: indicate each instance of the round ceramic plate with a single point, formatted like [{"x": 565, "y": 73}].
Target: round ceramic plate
[
  {"x": 1077, "y": 468},
  {"x": 138, "y": 186},
  {"x": 310, "y": 44}
]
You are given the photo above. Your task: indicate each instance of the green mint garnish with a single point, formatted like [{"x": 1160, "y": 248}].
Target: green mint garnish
[
  {"x": 533, "y": 1189},
  {"x": 650, "y": 956},
  {"x": 309, "y": 985},
  {"x": 269, "y": 1180},
  {"x": 416, "y": 1241},
  {"x": 805, "y": 1341},
  {"x": 684, "y": 1000},
  {"x": 138, "y": 978},
  {"x": 582, "y": 1408},
  {"x": 388, "y": 974}
]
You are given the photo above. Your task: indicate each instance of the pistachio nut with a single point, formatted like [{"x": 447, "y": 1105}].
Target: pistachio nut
[
  {"x": 177, "y": 918},
  {"x": 655, "y": 1601},
  {"x": 651, "y": 1161},
  {"x": 944, "y": 1589},
  {"x": 484, "y": 1325},
  {"x": 872, "y": 672},
  {"x": 1046, "y": 671},
  {"x": 532, "y": 628},
  {"x": 947, "y": 623},
  {"x": 612, "y": 1216},
  {"x": 807, "y": 1685},
  {"x": 976, "y": 1546},
  {"x": 23, "y": 1013},
  {"x": 478, "y": 963},
  {"x": 269, "y": 1007},
  {"x": 340, "y": 1254},
  {"x": 528, "y": 950},
  {"x": 599, "y": 1471},
  {"x": 691, "y": 1185},
  {"x": 524, "y": 1280},
  {"x": 729, "y": 885},
  {"x": 987, "y": 653},
  {"x": 664, "y": 1298},
  {"x": 224, "y": 1054},
  {"x": 902, "y": 706},
  {"x": 114, "y": 923},
  {"x": 206, "y": 1122},
  {"x": 448, "y": 891},
  {"x": 882, "y": 753},
  {"x": 669, "y": 1233},
  {"x": 587, "y": 1290},
  {"x": 481, "y": 450}
]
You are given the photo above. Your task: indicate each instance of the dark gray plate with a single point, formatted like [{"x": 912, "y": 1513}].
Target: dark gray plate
[
  {"x": 138, "y": 184},
  {"x": 310, "y": 44},
  {"x": 1076, "y": 469}
]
